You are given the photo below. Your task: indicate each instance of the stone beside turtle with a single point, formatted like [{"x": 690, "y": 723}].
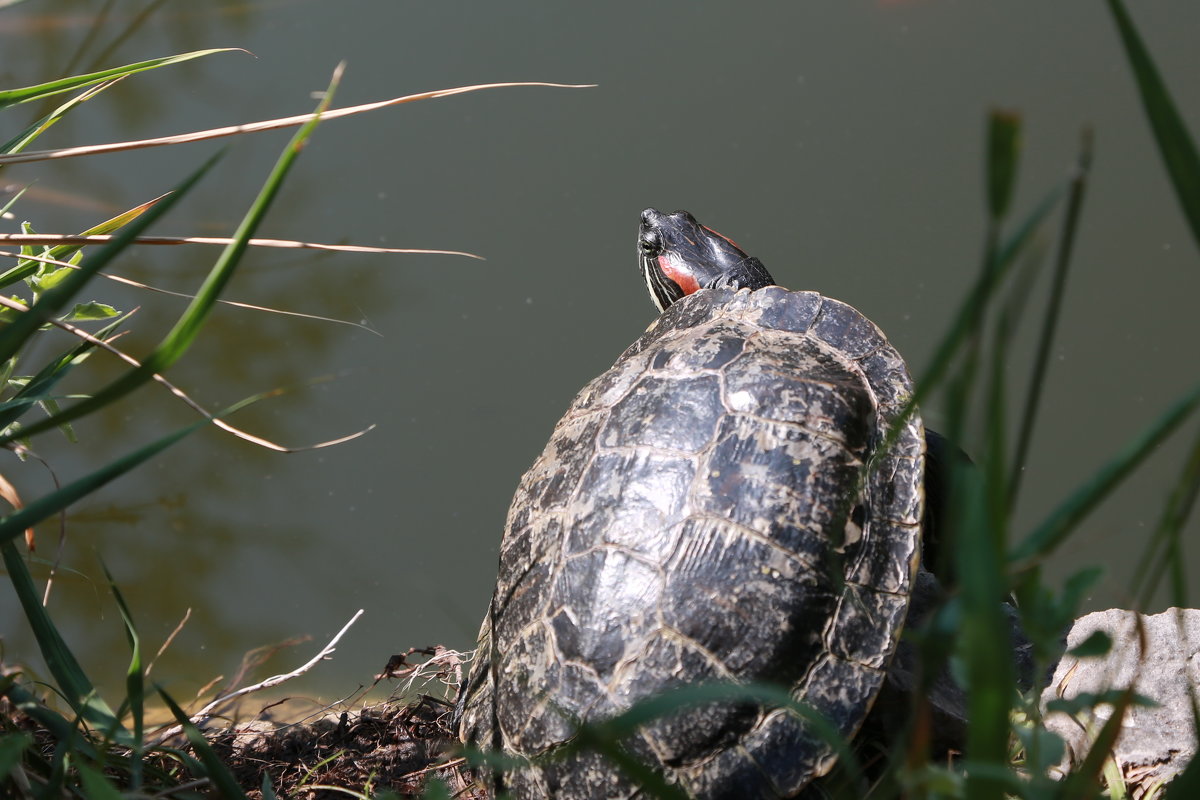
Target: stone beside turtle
[{"x": 712, "y": 508}]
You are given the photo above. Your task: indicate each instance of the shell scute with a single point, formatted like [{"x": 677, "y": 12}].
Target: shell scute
[
  {"x": 781, "y": 471},
  {"x": 665, "y": 412},
  {"x": 668, "y": 662},
  {"x": 651, "y": 490},
  {"x": 780, "y": 376},
  {"x": 722, "y": 584},
  {"x": 551, "y": 482},
  {"x": 779, "y": 309},
  {"x": 887, "y": 565},
  {"x": 599, "y": 633},
  {"x": 866, "y": 619},
  {"x": 722, "y": 343},
  {"x": 844, "y": 328}
]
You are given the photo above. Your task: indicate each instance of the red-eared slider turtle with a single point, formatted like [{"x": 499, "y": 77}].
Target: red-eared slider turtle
[{"x": 712, "y": 508}]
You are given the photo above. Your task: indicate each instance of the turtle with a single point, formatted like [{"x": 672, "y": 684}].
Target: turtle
[{"x": 718, "y": 506}]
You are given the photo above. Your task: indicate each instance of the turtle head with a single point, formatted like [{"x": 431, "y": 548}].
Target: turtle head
[{"x": 679, "y": 256}]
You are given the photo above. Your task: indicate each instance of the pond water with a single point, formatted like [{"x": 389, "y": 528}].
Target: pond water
[{"x": 839, "y": 142}]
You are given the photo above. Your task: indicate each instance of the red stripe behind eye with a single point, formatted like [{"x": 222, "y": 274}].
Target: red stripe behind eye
[{"x": 686, "y": 281}]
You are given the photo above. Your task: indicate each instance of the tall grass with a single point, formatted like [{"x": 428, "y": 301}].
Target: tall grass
[
  {"x": 91, "y": 748},
  {"x": 86, "y": 736}
]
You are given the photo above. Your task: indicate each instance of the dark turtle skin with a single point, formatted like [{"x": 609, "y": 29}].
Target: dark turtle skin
[{"x": 714, "y": 507}]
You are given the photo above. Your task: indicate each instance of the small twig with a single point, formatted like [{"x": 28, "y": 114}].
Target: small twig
[
  {"x": 253, "y": 659},
  {"x": 186, "y": 616},
  {"x": 435, "y": 768},
  {"x": 138, "y": 285},
  {"x": 200, "y": 716},
  {"x": 9, "y": 493},
  {"x": 325, "y": 709},
  {"x": 183, "y": 787},
  {"x": 444, "y": 664},
  {"x": 331, "y": 788},
  {"x": 59, "y": 552},
  {"x": 203, "y": 690}
]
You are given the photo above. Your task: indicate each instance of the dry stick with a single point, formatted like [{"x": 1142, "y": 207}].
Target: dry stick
[
  {"x": 200, "y": 716},
  {"x": 266, "y": 125},
  {"x": 9, "y": 493},
  {"x": 60, "y": 552},
  {"x": 442, "y": 659},
  {"x": 183, "y": 787},
  {"x": 167, "y": 643},
  {"x": 149, "y": 288},
  {"x": 323, "y": 710},
  {"x": 436, "y": 767},
  {"x": 100, "y": 238},
  {"x": 175, "y": 390}
]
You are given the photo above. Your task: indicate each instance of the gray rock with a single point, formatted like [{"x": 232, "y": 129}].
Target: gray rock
[{"x": 1160, "y": 662}]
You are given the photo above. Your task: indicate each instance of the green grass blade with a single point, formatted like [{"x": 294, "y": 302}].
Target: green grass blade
[
  {"x": 1166, "y": 538},
  {"x": 983, "y": 643},
  {"x": 1051, "y": 532},
  {"x": 651, "y": 783},
  {"x": 1004, "y": 147},
  {"x": 72, "y": 681},
  {"x": 12, "y": 747},
  {"x": 1187, "y": 783},
  {"x": 14, "y": 335},
  {"x": 995, "y": 463},
  {"x": 436, "y": 789},
  {"x": 30, "y": 134},
  {"x": 53, "y": 722},
  {"x": 181, "y": 336},
  {"x": 1084, "y": 780},
  {"x": 186, "y": 329},
  {"x": 1174, "y": 143},
  {"x": 135, "y": 688},
  {"x": 215, "y": 769},
  {"x": 1050, "y": 320},
  {"x": 646, "y": 711},
  {"x": 12, "y": 97},
  {"x": 39, "y": 386},
  {"x": 15, "y": 523},
  {"x": 12, "y": 201},
  {"x": 967, "y": 333},
  {"x": 972, "y": 307},
  {"x": 95, "y": 785}
]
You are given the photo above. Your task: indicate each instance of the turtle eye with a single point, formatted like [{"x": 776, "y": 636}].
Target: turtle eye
[{"x": 649, "y": 245}]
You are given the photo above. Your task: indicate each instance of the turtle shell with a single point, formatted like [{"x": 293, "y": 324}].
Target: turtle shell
[{"x": 712, "y": 508}]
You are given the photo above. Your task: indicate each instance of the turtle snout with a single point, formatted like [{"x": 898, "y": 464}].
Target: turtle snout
[{"x": 650, "y": 243}]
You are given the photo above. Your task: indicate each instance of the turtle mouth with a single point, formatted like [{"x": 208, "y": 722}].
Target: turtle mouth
[{"x": 663, "y": 291}]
